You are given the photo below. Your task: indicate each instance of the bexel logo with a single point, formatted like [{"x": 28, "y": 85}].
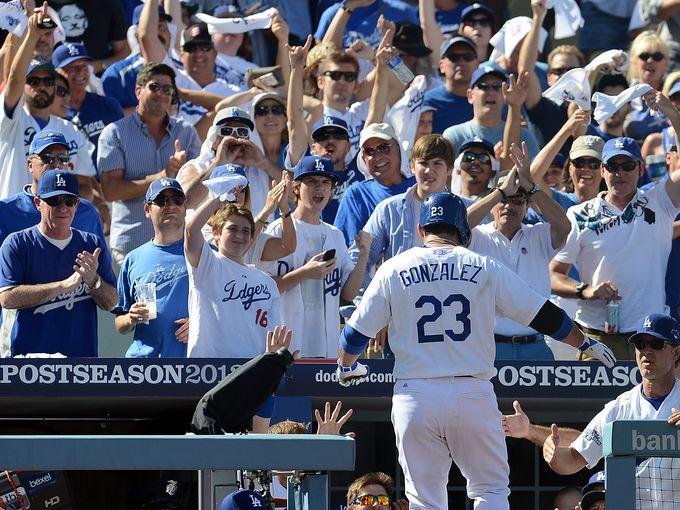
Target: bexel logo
[
  {"x": 40, "y": 480},
  {"x": 656, "y": 442}
]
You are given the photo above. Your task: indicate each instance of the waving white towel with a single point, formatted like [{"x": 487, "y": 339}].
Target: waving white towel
[
  {"x": 617, "y": 61},
  {"x": 568, "y": 17},
  {"x": 224, "y": 185},
  {"x": 405, "y": 113},
  {"x": 573, "y": 87},
  {"x": 12, "y": 17},
  {"x": 258, "y": 21},
  {"x": 606, "y": 106},
  {"x": 511, "y": 34}
]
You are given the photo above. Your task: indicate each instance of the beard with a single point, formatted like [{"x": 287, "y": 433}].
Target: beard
[{"x": 40, "y": 101}]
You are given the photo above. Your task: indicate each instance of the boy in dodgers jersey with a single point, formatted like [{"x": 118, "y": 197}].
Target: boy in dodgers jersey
[{"x": 439, "y": 302}]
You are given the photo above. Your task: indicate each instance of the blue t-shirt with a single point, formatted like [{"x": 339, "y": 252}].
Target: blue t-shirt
[
  {"x": 119, "y": 80},
  {"x": 642, "y": 122},
  {"x": 450, "y": 109},
  {"x": 68, "y": 323},
  {"x": 346, "y": 178},
  {"x": 363, "y": 24},
  {"x": 359, "y": 201},
  {"x": 166, "y": 267},
  {"x": 94, "y": 115}
]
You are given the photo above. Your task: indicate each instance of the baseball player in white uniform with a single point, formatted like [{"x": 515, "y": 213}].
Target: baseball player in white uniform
[
  {"x": 439, "y": 302},
  {"x": 657, "y": 352}
]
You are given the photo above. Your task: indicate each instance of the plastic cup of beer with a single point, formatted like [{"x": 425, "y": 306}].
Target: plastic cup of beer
[{"x": 146, "y": 293}]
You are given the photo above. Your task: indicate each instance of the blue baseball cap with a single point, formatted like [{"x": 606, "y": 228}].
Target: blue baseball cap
[
  {"x": 486, "y": 69},
  {"x": 591, "y": 497},
  {"x": 476, "y": 141},
  {"x": 160, "y": 185},
  {"x": 58, "y": 182},
  {"x": 476, "y": 8},
  {"x": 228, "y": 169},
  {"x": 46, "y": 138},
  {"x": 314, "y": 165},
  {"x": 595, "y": 480},
  {"x": 136, "y": 14},
  {"x": 661, "y": 326},
  {"x": 233, "y": 113},
  {"x": 457, "y": 39},
  {"x": 622, "y": 146},
  {"x": 41, "y": 65},
  {"x": 243, "y": 499},
  {"x": 330, "y": 122},
  {"x": 67, "y": 53}
]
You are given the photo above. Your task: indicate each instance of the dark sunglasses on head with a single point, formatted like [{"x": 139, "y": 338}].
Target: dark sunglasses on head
[
  {"x": 67, "y": 200},
  {"x": 61, "y": 91},
  {"x": 486, "y": 86},
  {"x": 327, "y": 134},
  {"x": 238, "y": 132},
  {"x": 53, "y": 159},
  {"x": 277, "y": 109},
  {"x": 559, "y": 71},
  {"x": 626, "y": 166},
  {"x": 593, "y": 164},
  {"x": 165, "y": 200},
  {"x": 471, "y": 157},
  {"x": 371, "y": 499},
  {"x": 482, "y": 22},
  {"x": 468, "y": 56},
  {"x": 35, "y": 81},
  {"x": 157, "y": 87},
  {"x": 657, "y": 56},
  {"x": 194, "y": 47},
  {"x": 383, "y": 148},
  {"x": 346, "y": 75},
  {"x": 656, "y": 344}
]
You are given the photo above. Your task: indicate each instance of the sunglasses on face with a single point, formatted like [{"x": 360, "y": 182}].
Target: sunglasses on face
[
  {"x": 471, "y": 157},
  {"x": 157, "y": 87},
  {"x": 559, "y": 71},
  {"x": 238, "y": 132},
  {"x": 235, "y": 230},
  {"x": 165, "y": 200},
  {"x": 371, "y": 499},
  {"x": 328, "y": 134},
  {"x": 481, "y": 22},
  {"x": 468, "y": 56},
  {"x": 192, "y": 48},
  {"x": 348, "y": 76},
  {"x": 67, "y": 200},
  {"x": 383, "y": 148},
  {"x": 61, "y": 91},
  {"x": 657, "y": 56},
  {"x": 486, "y": 86},
  {"x": 55, "y": 159},
  {"x": 655, "y": 344},
  {"x": 516, "y": 200},
  {"x": 626, "y": 166},
  {"x": 277, "y": 109},
  {"x": 35, "y": 81},
  {"x": 593, "y": 164}
]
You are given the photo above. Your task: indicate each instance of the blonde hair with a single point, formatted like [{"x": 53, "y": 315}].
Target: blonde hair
[
  {"x": 647, "y": 41},
  {"x": 218, "y": 220},
  {"x": 288, "y": 427},
  {"x": 377, "y": 478},
  {"x": 567, "y": 49}
]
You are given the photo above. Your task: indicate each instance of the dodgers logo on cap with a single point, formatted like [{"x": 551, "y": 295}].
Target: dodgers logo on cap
[
  {"x": 327, "y": 121},
  {"x": 319, "y": 165},
  {"x": 647, "y": 323},
  {"x": 165, "y": 182},
  {"x": 60, "y": 181},
  {"x": 618, "y": 144}
]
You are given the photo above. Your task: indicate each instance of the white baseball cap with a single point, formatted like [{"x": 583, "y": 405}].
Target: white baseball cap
[{"x": 380, "y": 130}]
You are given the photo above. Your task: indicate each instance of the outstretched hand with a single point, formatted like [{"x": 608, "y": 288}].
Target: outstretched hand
[
  {"x": 331, "y": 423},
  {"x": 518, "y": 424},
  {"x": 280, "y": 338}
]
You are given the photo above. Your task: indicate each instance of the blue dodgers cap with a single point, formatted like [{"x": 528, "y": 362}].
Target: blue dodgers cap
[
  {"x": 595, "y": 480},
  {"x": 622, "y": 146},
  {"x": 243, "y": 499},
  {"x": 46, "y": 138},
  {"x": 67, "y": 53},
  {"x": 474, "y": 9},
  {"x": 160, "y": 185},
  {"x": 228, "y": 169},
  {"x": 485, "y": 69},
  {"x": 661, "y": 326},
  {"x": 314, "y": 165},
  {"x": 58, "y": 182},
  {"x": 233, "y": 113},
  {"x": 476, "y": 141},
  {"x": 136, "y": 14},
  {"x": 330, "y": 122},
  {"x": 457, "y": 39},
  {"x": 41, "y": 65}
]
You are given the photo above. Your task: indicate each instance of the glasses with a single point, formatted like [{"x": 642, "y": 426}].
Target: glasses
[
  {"x": 371, "y": 499},
  {"x": 165, "y": 200},
  {"x": 55, "y": 159},
  {"x": 157, "y": 87},
  {"x": 515, "y": 200},
  {"x": 482, "y": 22},
  {"x": 67, "y": 200},
  {"x": 238, "y": 132},
  {"x": 657, "y": 56},
  {"x": 62, "y": 91},
  {"x": 383, "y": 148},
  {"x": 330, "y": 133},
  {"x": 235, "y": 230},
  {"x": 194, "y": 47},
  {"x": 655, "y": 344},
  {"x": 626, "y": 166},
  {"x": 34, "y": 81},
  {"x": 471, "y": 157},
  {"x": 593, "y": 164},
  {"x": 559, "y": 71},
  {"x": 277, "y": 109},
  {"x": 468, "y": 56},
  {"x": 348, "y": 76},
  {"x": 486, "y": 86}
]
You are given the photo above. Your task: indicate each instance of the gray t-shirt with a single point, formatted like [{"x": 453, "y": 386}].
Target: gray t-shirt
[{"x": 460, "y": 132}]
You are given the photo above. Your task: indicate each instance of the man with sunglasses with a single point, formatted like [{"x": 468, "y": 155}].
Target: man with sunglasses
[
  {"x": 55, "y": 276},
  {"x": 476, "y": 167},
  {"x": 449, "y": 101},
  {"x": 374, "y": 491},
  {"x": 486, "y": 97},
  {"x": 160, "y": 261},
  {"x": 27, "y": 98}
]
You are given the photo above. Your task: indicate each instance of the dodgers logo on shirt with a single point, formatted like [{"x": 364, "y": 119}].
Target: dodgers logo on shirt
[
  {"x": 247, "y": 294},
  {"x": 332, "y": 282},
  {"x": 594, "y": 436}
]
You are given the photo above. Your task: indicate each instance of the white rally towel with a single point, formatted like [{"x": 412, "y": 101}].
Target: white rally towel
[
  {"x": 12, "y": 18},
  {"x": 511, "y": 34},
  {"x": 258, "y": 21},
  {"x": 568, "y": 19},
  {"x": 617, "y": 62},
  {"x": 224, "y": 186},
  {"x": 405, "y": 113},
  {"x": 606, "y": 106},
  {"x": 573, "y": 87}
]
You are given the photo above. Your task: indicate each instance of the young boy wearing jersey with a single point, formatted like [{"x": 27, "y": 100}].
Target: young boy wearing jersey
[{"x": 311, "y": 283}]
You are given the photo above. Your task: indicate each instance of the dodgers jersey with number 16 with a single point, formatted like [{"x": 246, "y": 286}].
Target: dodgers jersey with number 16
[{"x": 424, "y": 291}]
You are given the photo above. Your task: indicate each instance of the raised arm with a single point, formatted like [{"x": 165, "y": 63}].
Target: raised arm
[
  {"x": 149, "y": 44},
  {"x": 298, "y": 140},
  {"x": 378, "y": 102},
  {"x": 339, "y": 22},
  {"x": 519, "y": 426},
  {"x": 529, "y": 52},
  {"x": 478, "y": 211},
  {"x": 657, "y": 101},
  {"x": 193, "y": 237},
  {"x": 563, "y": 459},
  {"x": 279, "y": 247},
  {"x": 514, "y": 95},
  {"x": 280, "y": 30},
  {"x": 353, "y": 284},
  {"x": 174, "y": 9},
  {"x": 432, "y": 32}
]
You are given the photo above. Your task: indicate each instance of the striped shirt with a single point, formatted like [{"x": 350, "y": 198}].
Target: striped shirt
[{"x": 126, "y": 144}]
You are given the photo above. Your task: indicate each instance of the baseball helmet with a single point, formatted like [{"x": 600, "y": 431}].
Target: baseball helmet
[{"x": 445, "y": 208}]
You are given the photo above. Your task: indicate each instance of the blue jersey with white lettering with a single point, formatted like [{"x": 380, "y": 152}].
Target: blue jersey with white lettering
[
  {"x": 94, "y": 115},
  {"x": 166, "y": 267},
  {"x": 66, "y": 324},
  {"x": 119, "y": 80}
]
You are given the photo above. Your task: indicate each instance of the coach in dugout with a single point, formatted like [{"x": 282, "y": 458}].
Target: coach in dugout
[{"x": 53, "y": 277}]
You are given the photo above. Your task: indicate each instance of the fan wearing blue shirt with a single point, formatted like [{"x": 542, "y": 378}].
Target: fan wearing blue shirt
[
  {"x": 54, "y": 277},
  {"x": 160, "y": 261}
]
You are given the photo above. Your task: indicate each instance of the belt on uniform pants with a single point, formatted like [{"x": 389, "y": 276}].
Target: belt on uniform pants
[{"x": 518, "y": 339}]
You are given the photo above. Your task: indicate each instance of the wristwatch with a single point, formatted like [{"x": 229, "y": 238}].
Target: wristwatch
[
  {"x": 534, "y": 189},
  {"x": 580, "y": 288},
  {"x": 97, "y": 283}
]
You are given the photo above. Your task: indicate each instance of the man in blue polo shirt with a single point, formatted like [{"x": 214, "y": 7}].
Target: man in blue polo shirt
[{"x": 54, "y": 277}]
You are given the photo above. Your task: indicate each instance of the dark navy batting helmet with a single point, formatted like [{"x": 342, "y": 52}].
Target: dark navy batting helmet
[{"x": 445, "y": 208}]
